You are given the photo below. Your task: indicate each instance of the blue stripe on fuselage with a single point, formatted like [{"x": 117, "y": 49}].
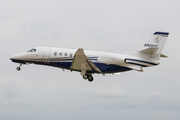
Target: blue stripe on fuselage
[{"x": 104, "y": 68}]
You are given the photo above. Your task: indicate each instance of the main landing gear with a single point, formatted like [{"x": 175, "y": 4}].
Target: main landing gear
[
  {"x": 89, "y": 77},
  {"x": 19, "y": 68}
]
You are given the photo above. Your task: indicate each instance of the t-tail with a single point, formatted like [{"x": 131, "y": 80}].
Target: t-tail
[{"x": 152, "y": 48}]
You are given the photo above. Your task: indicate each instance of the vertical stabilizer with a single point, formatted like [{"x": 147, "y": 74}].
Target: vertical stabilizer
[{"x": 153, "y": 47}]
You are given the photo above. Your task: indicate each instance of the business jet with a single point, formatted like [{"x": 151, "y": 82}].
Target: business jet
[{"x": 94, "y": 62}]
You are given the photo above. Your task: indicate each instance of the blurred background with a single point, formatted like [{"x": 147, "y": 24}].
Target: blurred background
[{"x": 41, "y": 92}]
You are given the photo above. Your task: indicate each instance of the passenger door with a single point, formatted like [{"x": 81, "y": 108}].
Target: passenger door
[{"x": 46, "y": 56}]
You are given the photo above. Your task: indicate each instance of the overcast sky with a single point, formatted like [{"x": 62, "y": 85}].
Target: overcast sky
[{"x": 46, "y": 93}]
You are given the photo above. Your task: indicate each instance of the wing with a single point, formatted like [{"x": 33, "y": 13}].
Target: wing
[{"x": 82, "y": 63}]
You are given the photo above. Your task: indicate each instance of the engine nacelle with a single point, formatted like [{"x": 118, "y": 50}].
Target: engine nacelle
[{"x": 110, "y": 59}]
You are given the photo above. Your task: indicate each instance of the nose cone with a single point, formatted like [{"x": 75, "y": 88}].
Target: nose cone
[
  {"x": 17, "y": 58},
  {"x": 13, "y": 57}
]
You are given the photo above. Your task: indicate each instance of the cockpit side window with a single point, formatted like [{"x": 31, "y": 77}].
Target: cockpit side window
[{"x": 32, "y": 50}]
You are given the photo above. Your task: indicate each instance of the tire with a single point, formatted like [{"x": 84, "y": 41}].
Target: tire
[
  {"x": 18, "y": 68},
  {"x": 90, "y": 78},
  {"x": 85, "y": 76}
]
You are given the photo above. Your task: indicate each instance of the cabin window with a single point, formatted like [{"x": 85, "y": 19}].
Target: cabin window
[
  {"x": 65, "y": 54},
  {"x": 55, "y": 53},
  {"x": 71, "y": 55},
  {"x": 60, "y": 53}
]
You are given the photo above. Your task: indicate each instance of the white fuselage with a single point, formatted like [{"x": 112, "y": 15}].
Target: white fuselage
[
  {"x": 63, "y": 58},
  {"x": 89, "y": 62}
]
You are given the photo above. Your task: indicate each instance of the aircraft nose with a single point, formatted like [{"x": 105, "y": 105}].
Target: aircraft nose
[
  {"x": 13, "y": 57},
  {"x": 16, "y": 57}
]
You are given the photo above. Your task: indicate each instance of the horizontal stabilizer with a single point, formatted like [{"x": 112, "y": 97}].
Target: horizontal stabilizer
[
  {"x": 163, "y": 55},
  {"x": 149, "y": 50}
]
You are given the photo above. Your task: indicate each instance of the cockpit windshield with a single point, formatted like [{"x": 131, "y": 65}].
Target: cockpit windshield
[{"x": 32, "y": 50}]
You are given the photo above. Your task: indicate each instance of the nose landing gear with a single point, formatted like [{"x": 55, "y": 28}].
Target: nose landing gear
[
  {"x": 89, "y": 77},
  {"x": 19, "y": 68}
]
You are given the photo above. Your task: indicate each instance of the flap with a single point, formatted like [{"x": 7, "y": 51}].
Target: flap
[
  {"x": 82, "y": 62},
  {"x": 163, "y": 55}
]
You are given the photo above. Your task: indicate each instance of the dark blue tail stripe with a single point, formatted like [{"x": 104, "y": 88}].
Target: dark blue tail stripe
[
  {"x": 161, "y": 33},
  {"x": 142, "y": 61}
]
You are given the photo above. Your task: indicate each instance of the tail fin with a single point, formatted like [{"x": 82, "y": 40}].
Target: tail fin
[{"x": 153, "y": 47}]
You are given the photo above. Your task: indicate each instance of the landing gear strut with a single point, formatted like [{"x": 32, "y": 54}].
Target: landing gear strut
[
  {"x": 19, "y": 68},
  {"x": 89, "y": 77}
]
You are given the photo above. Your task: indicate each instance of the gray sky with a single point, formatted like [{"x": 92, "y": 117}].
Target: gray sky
[{"x": 41, "y": 92}]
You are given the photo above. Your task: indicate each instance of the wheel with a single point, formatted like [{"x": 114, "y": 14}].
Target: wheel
[
  {"x": 85, "y": 76},
  {"x": 90, "y": 78},
  {"x": 18, "y": 68}
]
